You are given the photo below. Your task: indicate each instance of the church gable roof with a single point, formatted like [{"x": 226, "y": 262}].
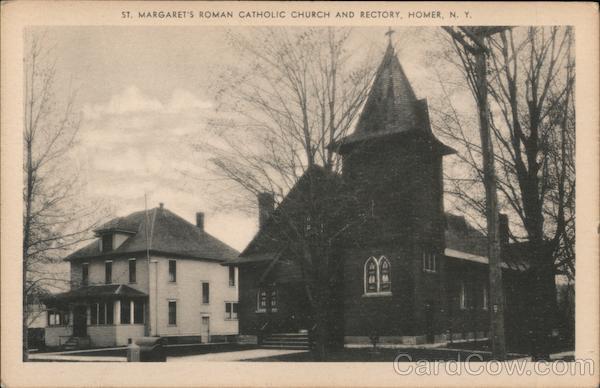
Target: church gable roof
[
  {"x": 464, "y": 242},
  {"x": 271, "y": 241}
]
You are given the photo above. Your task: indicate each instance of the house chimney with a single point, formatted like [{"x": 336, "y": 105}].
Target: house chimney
[
  {"x": 503, "y": 230},
  {"x": 266, "y": 205},
  {"x": 161, "y": 205},
  {"x": 200, "y": 220}
]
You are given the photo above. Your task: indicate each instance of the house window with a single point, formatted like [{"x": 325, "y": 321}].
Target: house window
[
  {"x": 94, "y": 314},
  {"x": 377, "y": 276},
  {"x": 385, "y": 284},
  {"x": 125, "y": 312},
  {"x": 261, "y": 300},
  {"x": 205, "y": 293},
  {"x": 132, "y": 270},
  {"x": 102, "y": 314},
  {"x": 463, "y": 296},
  {"x": 172, "y": 270},
  {"x": 429, "y": 262},
  {"x": 172, "y": 312},
  {"x": 58, "y": 318},
  {"x": 109, "y": 313},
  {"x": 85, "y": 274},
  {"x": 231, "y": 310},
  {"x": 107, "y": 242},
  {"x": 231, "y": 276},
  {"x": 108, "y": 272},
  {"x": 138, "y": 311}
]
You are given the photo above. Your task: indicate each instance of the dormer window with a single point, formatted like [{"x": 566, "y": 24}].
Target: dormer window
[{"x": 107, "y": 242}]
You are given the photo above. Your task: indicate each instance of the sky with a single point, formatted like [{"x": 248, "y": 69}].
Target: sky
[{"x": 145, "y": 93}]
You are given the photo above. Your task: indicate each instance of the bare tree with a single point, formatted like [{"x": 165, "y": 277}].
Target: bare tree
[
  {"x": 531, "y": 82},
  {"x": 54, "y": 220},
  {"x": 297, "y": 92}
]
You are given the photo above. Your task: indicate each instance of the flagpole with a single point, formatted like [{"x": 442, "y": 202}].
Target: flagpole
[{"x": 148, "y": 261}]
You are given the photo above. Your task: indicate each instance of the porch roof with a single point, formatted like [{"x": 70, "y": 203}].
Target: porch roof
[{"x": 105, "y": 291}]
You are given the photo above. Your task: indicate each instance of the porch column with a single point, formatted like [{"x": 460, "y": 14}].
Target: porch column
[
  {"x": 131, "y": 311},
  {"x": 88, "y": 315},
  {"x": 117, "y": 312}
]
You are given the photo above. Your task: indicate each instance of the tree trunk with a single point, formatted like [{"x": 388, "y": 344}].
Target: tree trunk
[
  {"x": 26, "y": 236},
  {"x": 321, "y": 340},
  {"x": 489, "y": 181},
  {"x": 543, "y": 303}
]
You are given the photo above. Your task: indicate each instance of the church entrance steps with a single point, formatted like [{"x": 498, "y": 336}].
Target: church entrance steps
[{"x": 286, "y": 341}]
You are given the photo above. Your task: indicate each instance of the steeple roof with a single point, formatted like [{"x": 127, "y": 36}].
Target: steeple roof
[
  {"x": 392, "y": 106},
  {"x": 391, "y": 102}
]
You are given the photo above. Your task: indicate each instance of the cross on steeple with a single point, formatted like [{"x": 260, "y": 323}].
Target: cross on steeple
[{"x": 389, "y": 34}]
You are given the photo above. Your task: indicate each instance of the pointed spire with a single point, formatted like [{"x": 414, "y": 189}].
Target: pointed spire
[
  {"x": 391, "y": 104},
  {"x": 391, "y": 107}
]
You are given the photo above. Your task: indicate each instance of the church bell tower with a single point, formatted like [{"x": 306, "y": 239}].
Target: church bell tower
[{"x": 393, "y": 160}]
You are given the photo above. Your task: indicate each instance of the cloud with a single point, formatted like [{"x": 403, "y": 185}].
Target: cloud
[
  {"x": 133, "y": 144},
  {"x": 132, "y": 100}
]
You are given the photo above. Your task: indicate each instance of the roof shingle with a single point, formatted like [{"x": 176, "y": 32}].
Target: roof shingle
[{"x": 167, "y": 234}]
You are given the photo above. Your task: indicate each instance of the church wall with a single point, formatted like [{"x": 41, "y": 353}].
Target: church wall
[
  {"x": 473, "y": 316},
  {"x": 292, "y": 312},
  {"x": 249, "y": 320},
  {"x": 387, "y": 315},
  {"x": 401, "y": 188}
]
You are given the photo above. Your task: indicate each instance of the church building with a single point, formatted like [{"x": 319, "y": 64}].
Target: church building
[{"x": 412, "y": 273}]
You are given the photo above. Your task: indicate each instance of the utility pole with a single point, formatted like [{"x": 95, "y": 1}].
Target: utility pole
[{"x": 473, "y": 40}]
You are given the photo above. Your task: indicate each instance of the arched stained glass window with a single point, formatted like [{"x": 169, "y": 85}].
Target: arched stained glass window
[
  {"x": 371, "y": 275},
  {"x": 385, "y": 282}
]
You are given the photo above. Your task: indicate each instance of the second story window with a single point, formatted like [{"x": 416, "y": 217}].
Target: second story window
[
  {"x": 85, "y": 274},
  {"x": 132, "y": 270},
  {"x": 231, "y": 276},
  {"x": 107, "y": 242},
  {"x": 172, "y": 270},
  {"x": 108, "y": 272},
  {"x": 205, "y": 293}
]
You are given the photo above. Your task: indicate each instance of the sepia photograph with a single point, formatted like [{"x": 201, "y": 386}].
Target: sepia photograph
[
  {"x": 328, "y": 156},
  {"x": 285, "y": 194}
]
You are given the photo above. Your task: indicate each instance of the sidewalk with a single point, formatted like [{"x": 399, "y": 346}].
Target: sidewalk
[
  {"x": 49, "y": 357},
  {"x": 240, "y": 355}
]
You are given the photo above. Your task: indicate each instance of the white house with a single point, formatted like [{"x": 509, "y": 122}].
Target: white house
[{"x": 150, "y": 273}]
